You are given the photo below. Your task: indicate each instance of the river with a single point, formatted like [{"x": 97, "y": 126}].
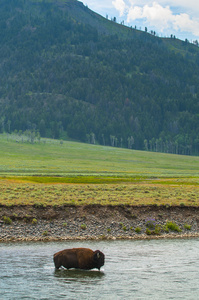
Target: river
[{"x": 147, "y": 269}]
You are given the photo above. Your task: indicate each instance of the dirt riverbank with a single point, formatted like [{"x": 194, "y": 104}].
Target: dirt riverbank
[{"x": 29, "y": 223}]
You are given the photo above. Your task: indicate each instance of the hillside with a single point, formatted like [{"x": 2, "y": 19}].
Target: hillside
[
  {"x": 69, "y": 73},
  {"x": 74, "y": 162}
]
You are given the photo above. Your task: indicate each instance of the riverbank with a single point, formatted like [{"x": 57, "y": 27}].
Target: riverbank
[{"x": 30, "y": 223}]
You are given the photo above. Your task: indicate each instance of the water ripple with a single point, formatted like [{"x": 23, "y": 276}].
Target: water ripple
[{"x": 162, "y": 269}]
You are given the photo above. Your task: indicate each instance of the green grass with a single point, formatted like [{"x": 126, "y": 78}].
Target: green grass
[
  {"x": 77, "y": 160},
  {"x": 50, "y": 173}
]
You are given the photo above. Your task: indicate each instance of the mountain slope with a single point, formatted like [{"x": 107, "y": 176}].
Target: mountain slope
[{"x": 68, "y": 72}]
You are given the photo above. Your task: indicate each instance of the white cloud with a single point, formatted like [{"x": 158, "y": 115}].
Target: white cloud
[
  {"x": 183, "y": 22},
  {"x": 120, "y": 6},
  {"x": 158, "y": 15},
  {"x": 189, "y": 5},
  {"x": 155, "y": 15}
]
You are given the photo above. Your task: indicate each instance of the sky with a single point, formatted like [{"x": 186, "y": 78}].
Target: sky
[{"x": 165, "y": 17}]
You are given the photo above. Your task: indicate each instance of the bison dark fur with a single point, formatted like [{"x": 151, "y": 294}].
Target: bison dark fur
[{"x": 79, "y": 258}]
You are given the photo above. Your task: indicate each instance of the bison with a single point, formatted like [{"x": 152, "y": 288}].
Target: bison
[{"x": 79, "y": 258}]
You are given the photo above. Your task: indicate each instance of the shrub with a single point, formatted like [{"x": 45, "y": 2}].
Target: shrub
[
  {"x": 64, "y": 224},
  {"x": 150, "y": 223},
  {"x": 102, "y": 237},
  {"x": 7, "y": 220},
  {"x": 137, "y": 229},
  {"x": 34, "y": 221},
  {"x": 39, "y": 205},
  {"x": 83, "y": 226},
  {"x": 148, "y": 231},
  {"x": 158, "y": 229},
  {"x": 45, "y": 233},
  {"x": 188, "y": 227},
  {"x": 173, "y": 226},
  {"x": 124, "y": 228},
  {"x": 134, "y": 216},
  {"x": 165, "y": 228},
  {"x": 108, "y": 230},
  {"x": 27, "y": 217}
]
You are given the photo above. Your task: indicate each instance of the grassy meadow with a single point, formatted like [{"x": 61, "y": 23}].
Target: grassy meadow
[{"x": 50, "y": 172}]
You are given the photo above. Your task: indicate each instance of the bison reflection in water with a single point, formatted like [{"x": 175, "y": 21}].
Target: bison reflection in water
[{"x": 79, "y": 258}]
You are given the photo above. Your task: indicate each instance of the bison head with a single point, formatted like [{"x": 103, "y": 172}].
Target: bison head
[{"x": 98, "y": 258}]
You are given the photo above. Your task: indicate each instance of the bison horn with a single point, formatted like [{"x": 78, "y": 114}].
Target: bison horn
[{"x": 98, "y": 255}]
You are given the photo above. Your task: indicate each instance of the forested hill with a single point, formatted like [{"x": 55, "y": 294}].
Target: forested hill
[{"x": 67, "y": 72}]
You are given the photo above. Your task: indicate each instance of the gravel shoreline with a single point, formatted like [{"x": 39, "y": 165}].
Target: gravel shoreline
[{"x": 95, "y": 222}]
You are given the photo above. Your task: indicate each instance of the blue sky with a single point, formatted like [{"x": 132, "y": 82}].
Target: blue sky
[{"x": 165, "y": 17}]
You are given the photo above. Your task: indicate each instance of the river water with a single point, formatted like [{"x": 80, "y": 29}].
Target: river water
[{"x": 154, "y": 269}]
